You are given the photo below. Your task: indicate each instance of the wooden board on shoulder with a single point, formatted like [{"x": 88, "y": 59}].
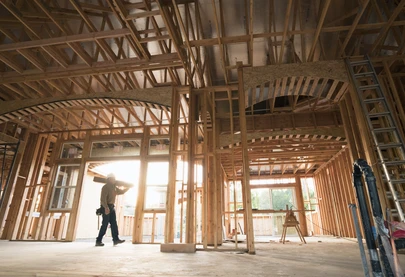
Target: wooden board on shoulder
[{"x": 118, "y": 183}]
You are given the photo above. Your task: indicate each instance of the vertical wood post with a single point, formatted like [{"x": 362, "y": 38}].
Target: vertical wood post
[
  {"x": 218, "y": 179},
  {"x": 206, "y": 180},
  {"x": 190, "y": 212},
  {"x": 247, "y": 199},
  {"x": 10, "y": 195},
  {"x": 171, "y": 188},
  {"x": 74, "y": 215},
  {"x": 300, "y": 206},
  {"x": 138, "y": 220}
]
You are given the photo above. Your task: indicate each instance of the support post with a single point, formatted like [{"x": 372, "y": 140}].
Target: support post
[
  {"x": 190, "y": 212},
  {"x": 247, "y": 199},
  {"x": 74, "y": 215},
  {"x": 171, "y": 188},
  {"x": 300, "y": 206},
  {"x": 138, "y": 220}
]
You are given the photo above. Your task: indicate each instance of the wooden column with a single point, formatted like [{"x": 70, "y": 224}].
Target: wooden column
[
  {"x": 218, "y": 179},
  {"x": 140, "y": 202},
  {"x": 214, "y": 195},
  {"x": 211, "y": 199},
  {"x": 214, "y": 201},
  {"x": 74, "y": 214},
  {"x": 171, "y": 187},
  {"x": 206, "y": 212},
  {"x": 247, "y": 199},
  {"x": 14, "y": 188},
  {"x": 8, "y": 192},
  {"x": 190, "y": 212},
  {"x": 300, "y": 206}
]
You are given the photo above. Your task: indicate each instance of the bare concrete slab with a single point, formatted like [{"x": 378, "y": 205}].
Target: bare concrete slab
[{"x": 321, "y": 256}]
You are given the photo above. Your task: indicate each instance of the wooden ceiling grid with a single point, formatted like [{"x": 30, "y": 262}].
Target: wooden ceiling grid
[
  {"x": 291, "y": 154},
  {"x": 65, "y": 47}
]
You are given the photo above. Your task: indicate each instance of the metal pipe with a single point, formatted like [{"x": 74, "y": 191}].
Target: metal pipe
[
  {"x": 360, "y": 240},
  {"x": 371, "y": 245},
  {"x": 384, "y": 245}
]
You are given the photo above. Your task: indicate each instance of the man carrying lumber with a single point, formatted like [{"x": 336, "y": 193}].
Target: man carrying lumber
[{"x": 107, "y": 201}]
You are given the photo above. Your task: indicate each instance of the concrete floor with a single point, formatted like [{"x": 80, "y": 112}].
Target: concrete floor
[{"x": 321, "y": 256}]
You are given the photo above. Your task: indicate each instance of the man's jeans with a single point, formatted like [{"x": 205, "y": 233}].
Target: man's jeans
[{"x": 112, "y": 219}]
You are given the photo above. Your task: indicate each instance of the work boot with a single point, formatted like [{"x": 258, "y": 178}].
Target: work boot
[
  {"x": 99, "y": 243},
  {"x": 118, "y": 241}
]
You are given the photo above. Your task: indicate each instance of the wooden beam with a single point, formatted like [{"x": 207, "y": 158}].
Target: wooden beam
[
  {"x": 369, "y": 27},
  {"x": 101, "y": 42},
  {"x": 318, "y": 29},
  {"x": 286, "y": 23},
  {"x": 221, "y": 47},
  {"x": 141, "y": 49},
  {"x": 133, "y": 16},
  {"x": 130, "y": 64},
  {"x": 30, "y": 56},
  {"x": 177, "y": 41},
  {"x": 383, "y": 33},
  {"x": 187, "y": 41},
  {"x": 355, "y": 22},
  {"x": 11, "y": 63}
]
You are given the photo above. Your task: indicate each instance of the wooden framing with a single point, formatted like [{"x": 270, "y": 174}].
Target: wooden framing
[
  {"x": 246, "y": 195},
  {"x": 171, "y": 188},
  {"x": 335, "y": 213},
  {"x": 266, "y": 98}
]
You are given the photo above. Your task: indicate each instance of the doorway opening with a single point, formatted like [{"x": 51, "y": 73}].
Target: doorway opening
[{"x": 89, "y": 223}]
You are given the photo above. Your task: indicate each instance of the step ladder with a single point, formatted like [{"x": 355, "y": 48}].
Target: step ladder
[{"x": 389, "y": 144}]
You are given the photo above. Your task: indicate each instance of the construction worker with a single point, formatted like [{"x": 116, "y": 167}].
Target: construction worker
[{"x": 107, "y": 201}]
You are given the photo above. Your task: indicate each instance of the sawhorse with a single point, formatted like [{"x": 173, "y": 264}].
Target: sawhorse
[{"x": 291, "y": 221}]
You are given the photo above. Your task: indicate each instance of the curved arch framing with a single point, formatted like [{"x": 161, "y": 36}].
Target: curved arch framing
[
  {"x": 158, "y": 98},
  {"x": 266, "y": 82}
]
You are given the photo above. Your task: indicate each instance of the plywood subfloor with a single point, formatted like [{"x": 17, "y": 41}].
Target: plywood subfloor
[{"x": 321, "y": 256}]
